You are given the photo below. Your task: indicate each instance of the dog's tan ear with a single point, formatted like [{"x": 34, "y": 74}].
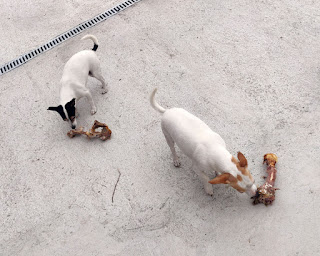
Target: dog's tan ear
[
  {"x": 242, "y": 160},
  {"x": 221, "y": 179}
]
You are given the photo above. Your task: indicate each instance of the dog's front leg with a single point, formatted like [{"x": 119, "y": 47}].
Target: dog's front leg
[
  {"x": 204, "y": 178},
  {"x": 76, "y": 110},
  {"x": 90, "y": 99}
]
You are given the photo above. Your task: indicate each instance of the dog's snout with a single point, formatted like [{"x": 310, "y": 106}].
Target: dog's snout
[
  {"x": 73, "y": 123},
  {"x": 252, "y": 191}
]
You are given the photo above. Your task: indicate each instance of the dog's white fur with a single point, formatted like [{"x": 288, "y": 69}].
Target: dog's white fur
[
  {"x": 205, "y": 148},
  {"x": 75, "y": 76}
]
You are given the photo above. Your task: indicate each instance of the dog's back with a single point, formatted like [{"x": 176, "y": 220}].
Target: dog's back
[
  {"x": 188, "y": 131},
  {"x": 79, "y": 65}
]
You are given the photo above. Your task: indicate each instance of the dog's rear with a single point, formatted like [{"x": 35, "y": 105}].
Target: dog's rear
[
  {"x": 82, "y": 64},
  {"x": 185, "y": 129},
  {"x": 94, "y": 39}
]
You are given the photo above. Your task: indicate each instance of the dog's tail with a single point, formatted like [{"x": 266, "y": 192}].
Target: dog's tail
[
  {"x": 94, "y": 39},
  {"x": 154, "y": 104}
]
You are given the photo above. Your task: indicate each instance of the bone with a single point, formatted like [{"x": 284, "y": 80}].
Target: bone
[
  {"x": 104, "y": 134},
  {"x": 266, "y": 193}
]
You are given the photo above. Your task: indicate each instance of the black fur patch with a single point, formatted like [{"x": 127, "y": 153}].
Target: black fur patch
[
  {"x": 95, "y": 47},
  {"x": 71, "y": 108},
  {"x": 59, "y": 109}
]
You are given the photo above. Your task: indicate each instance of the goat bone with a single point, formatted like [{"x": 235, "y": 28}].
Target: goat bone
[
  {"x": 104, "y": 134},
  {"x": 266, "y": 193}
]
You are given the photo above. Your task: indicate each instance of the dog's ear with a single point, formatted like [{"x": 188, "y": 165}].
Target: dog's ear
[
  {"x": 53, "y": 108},
  {"x": 71, "y": 108},
  {"x": 221, "y": 179},
  {"x": 242, "y": 160},
  {"x": 71, "y": 103},
  {"x": 59, "y": 109}
]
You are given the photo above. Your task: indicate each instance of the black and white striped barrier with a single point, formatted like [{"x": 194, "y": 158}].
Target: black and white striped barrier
[{"x": 64, "y": 36}]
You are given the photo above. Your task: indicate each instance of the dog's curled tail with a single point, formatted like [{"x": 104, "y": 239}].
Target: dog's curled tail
[
  {"x": 94, "y": 39},
  {"x": 154, "y": 104}
]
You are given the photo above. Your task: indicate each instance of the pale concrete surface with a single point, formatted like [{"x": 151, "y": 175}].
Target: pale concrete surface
[{"x": 249, "y": 69}]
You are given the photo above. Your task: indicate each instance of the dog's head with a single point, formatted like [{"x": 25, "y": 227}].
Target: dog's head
[
  {"x": 67, "y": 112},
  {"x": 242, "y": 181}
]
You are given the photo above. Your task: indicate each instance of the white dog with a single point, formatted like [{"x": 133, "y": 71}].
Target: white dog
[
  {"x": 74, "y": 81},
  {"x": 205, "y": 148}
]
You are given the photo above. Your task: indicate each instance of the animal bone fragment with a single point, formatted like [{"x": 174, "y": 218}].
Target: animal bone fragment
[
  {"x": 266, "y": 193},
  {"x": 104, "y": 134}
]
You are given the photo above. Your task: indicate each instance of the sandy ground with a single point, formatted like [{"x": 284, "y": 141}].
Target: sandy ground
[{"x": 249, "y": 69}]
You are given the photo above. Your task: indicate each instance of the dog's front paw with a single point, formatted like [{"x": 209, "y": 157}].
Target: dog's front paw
[
  {"x": 209, "y": 189},
  {"x": 176, "y": 163},
  {"x": 93, "y": 111}
]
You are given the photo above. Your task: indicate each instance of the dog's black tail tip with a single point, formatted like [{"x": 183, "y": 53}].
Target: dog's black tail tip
[{"x": 95, "y": 47}]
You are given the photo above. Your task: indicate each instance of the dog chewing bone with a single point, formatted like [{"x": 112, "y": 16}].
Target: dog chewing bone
[
  {"x": 74, "y": 81},
  {"x": 205, "y": 148}
]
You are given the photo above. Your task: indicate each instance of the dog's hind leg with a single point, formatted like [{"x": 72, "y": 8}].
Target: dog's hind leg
[
  {"x": 90, "y": 99},
  {"x": 97, "y": 74},
  {"x": 170, "y": 142}
]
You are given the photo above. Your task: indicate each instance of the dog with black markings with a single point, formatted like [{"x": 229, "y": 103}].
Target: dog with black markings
[{"x": 74, "y": 80}]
